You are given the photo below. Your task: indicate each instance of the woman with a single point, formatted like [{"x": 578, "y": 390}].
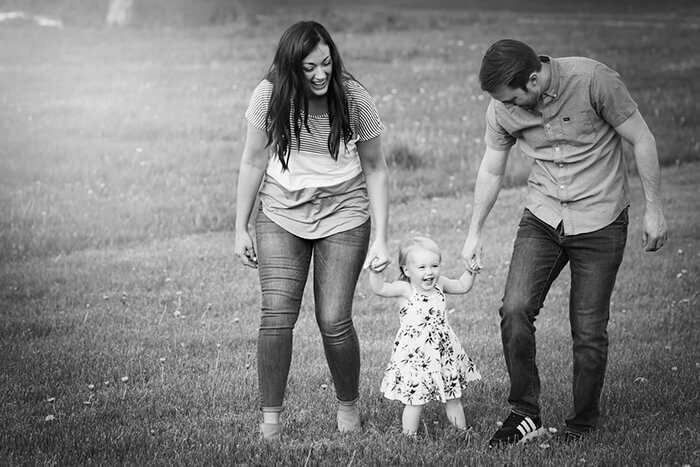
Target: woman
[{"x": 313, "y": 155}]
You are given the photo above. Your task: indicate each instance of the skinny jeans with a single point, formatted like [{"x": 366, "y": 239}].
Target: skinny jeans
[
  {"x": 283, "y": 266},
  {"x": 540, "y": 252}
]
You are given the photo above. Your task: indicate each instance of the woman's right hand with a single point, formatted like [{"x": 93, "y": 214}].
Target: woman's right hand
[{"x": 245, "y": 250}]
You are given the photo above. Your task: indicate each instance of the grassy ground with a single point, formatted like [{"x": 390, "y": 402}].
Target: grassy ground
[
  {"x": 178, "y": 318},
  {"x": 127, "y": 329},
  {"x": 114, "y": 136}
]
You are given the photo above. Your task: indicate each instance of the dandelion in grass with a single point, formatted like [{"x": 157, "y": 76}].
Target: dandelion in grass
[
  {"x": 162, "y": 369},
  {"x": 87, "y": 312},
  {"x": 51, "y": 417},
  {"x": 124, "y": 380},
  {"x": 91, "y": 386}
]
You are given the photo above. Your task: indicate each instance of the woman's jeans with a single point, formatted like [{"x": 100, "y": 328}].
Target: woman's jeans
[
  {"x": 283, "y": 265},
  {"x": 540, "y": 253}
]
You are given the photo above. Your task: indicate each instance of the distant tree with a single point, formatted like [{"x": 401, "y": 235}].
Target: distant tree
[{"x": 120, "y": 12}]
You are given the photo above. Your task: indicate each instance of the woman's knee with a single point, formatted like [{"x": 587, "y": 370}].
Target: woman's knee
[
  {"x": 334, "y": 329},
  {"x": 284, "y": 319}
]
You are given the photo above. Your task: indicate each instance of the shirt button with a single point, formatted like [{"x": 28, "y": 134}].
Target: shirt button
[
  {"x": 561, "y": 165},
  {"x": 556, "y": 148},
  {"x": 564, "y": 204},
  {"x": 561, "y": 187}
]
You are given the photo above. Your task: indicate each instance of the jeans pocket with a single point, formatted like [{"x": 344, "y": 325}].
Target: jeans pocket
[{"x": 622, "y": 220}]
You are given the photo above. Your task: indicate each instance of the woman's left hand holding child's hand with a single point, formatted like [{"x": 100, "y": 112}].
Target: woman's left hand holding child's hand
[{"x": 378, "y": 257}]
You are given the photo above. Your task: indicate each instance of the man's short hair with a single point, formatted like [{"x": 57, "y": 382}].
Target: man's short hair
[{"x": 508, "y": 63}]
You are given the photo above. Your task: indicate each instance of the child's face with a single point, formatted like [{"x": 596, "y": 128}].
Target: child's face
[{"x": 422, "y": 268}]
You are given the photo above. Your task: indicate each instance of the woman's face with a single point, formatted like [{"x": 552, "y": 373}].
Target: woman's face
[{"x": 317, "y": 68}]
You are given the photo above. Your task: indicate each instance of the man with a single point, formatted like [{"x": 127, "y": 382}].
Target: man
[{"x": 570, "y": 115}]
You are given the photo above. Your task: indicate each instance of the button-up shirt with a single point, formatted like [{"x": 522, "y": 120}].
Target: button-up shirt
[{"x": 579, "y": 175}]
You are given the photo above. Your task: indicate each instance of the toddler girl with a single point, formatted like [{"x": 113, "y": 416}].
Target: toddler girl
[{"x": 427, "y": 362}]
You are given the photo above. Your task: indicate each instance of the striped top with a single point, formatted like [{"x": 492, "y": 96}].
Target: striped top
[{"x": 318, "y": 196}]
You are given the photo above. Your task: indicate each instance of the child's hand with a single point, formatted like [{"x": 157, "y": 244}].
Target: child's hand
[
  {"x": 377, "y": 266},
  {"x": 378, "y": 257},
  {"x": 471, "y": 254}
]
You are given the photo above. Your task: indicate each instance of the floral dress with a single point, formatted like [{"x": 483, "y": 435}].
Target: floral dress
[{"x": 427, "y": 363}]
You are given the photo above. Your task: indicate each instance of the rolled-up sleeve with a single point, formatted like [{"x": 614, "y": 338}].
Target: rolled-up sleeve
[
  {"x": 610, "y": 97},
  {"x": 496, "y": 136}
]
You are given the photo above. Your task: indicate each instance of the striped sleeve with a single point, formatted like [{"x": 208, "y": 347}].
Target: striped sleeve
[
  {"x": 259, "y": 101},
  {"x": 363, "y": 112}
]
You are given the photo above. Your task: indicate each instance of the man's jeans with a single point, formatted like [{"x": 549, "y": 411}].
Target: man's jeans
[
  {"x": 283, "y": 266},
  {"x": 540, "y": 253}
]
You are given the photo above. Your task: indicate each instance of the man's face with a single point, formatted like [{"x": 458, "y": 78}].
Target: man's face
[{"x": 527, "y": 99}]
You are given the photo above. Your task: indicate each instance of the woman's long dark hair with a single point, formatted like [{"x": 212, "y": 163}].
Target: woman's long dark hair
[{"x": 289, "y": 91}]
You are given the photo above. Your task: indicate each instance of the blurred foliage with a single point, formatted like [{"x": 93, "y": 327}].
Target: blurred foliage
[
  {"x": 147, "y": 13},
  {"x": 387, "y": 15}
]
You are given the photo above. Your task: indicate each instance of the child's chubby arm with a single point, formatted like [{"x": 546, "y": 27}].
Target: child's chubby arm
[
  {"x": 458, "y": 286},
  {"x": 388, "y": 289}
]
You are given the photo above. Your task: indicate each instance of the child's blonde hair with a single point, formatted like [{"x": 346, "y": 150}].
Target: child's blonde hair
[{"x": 411, "y": 244}]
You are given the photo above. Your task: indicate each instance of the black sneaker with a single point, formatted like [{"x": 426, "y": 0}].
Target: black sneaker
[
  {"x": 517, "y": 429},
  {"x": 573, "y": 435}
]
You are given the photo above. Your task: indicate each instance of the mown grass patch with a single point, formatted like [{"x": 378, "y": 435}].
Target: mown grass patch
[{"x": 145, "y": 354}]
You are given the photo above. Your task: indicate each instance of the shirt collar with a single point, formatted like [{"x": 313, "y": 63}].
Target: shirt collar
[{"x": 553, "y": 90}]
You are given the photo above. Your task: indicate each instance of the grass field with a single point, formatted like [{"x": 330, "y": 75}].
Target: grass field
[
  {"x": 115, "y": 136},
  {"x": 128, "y": 330}
]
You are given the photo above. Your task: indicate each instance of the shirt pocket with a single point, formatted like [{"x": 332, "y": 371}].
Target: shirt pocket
[{"x": 578, "y": 128}]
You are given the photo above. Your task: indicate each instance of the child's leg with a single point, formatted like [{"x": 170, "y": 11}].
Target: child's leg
[
  {"x": 455, "y": 413},
  {"x": 411, "y": 418}
]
